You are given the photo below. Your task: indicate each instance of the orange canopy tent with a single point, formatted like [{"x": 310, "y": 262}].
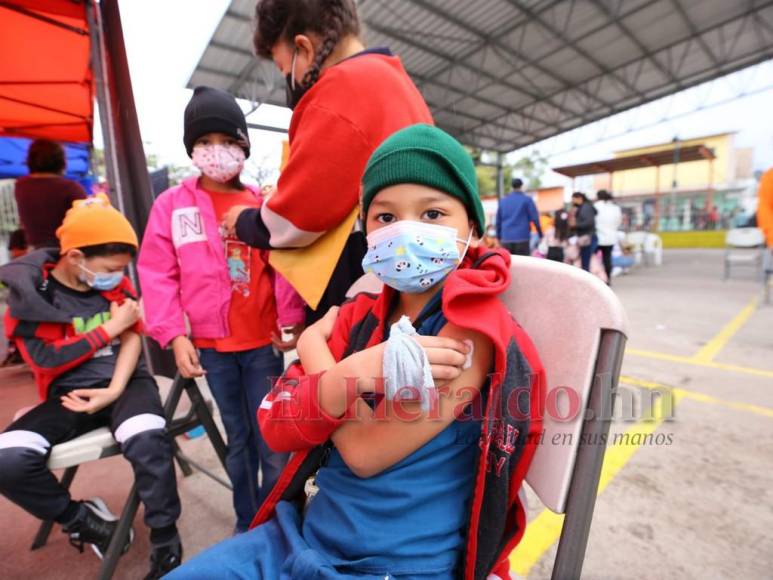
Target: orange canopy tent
[{"x": 46, "y": 81}]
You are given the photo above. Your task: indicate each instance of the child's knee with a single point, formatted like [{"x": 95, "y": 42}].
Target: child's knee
[{"x": 143, "y": 426}]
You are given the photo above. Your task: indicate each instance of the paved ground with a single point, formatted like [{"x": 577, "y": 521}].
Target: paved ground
[{"x": 700, "y": 507}]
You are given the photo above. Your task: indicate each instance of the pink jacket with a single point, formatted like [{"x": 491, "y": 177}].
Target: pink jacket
[{"x": 183, "y": 270}]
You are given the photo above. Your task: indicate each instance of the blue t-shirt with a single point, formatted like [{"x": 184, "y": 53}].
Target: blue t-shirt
[{"x": 409, "y": 519}]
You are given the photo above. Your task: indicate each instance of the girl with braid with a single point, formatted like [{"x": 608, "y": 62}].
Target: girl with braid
[{"x": 346, "y": 100}]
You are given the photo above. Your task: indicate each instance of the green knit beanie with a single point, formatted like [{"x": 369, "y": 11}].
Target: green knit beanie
[{"x": 424, "y": 155}]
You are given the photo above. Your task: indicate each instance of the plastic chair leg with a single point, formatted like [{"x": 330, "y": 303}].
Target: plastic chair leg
[{"x": 45, "y": 527}]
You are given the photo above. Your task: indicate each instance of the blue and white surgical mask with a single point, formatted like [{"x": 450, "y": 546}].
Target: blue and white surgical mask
[
  {"x": 101, "y": 281},
  {"x": 413, "y": 256}
]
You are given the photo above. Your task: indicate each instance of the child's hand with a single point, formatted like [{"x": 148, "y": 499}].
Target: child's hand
[
  {"x": 285, "y": 345},
  {"x": 186, "y": 357},
  {"x": 89, "y": 400},
  {"x": 447, "y": 356},
  {"x": 122, "y": 317}
]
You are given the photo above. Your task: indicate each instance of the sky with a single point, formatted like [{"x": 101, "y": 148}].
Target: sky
[{"x": 164, "y": 41}]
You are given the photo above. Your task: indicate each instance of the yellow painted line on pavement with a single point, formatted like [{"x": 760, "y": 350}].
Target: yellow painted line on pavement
[
  {"x": 680, "y": 393},
  {"x": 691, "y": 361},
  {"x": 543, "y": 531},
  {"x": 711, "y": 349}
]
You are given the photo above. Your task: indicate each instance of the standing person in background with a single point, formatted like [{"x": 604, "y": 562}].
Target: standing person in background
[
  {"x": 44, "y": 196},
  {"x": 557, "y": 235},
  {"x": 515, "y": 215},
  {"x": 346, "y": 100},
  {"x": 582, "y": 220},
  {"x": 232, "y": 300},
  {"x": 609, "y": 217}
]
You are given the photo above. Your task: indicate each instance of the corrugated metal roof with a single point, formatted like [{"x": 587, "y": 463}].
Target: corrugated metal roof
[
  {"x": 502, "y": 74},
  {"x": 638, "y": 161}
]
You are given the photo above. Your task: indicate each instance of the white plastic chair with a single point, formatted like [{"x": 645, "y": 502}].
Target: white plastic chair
[
  {"x": 579, "y": 329},
  {"x": 585, "y": 355},
  {"x": 100, "y": 444},
  {"x": 653, "y": 250},
  {"x": 636, "y": 240},
  {"x": 745, "y": 247}
]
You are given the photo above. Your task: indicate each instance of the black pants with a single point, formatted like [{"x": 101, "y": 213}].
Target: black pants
[
  {"x": 556, "y": 253},
  {"x": 606, "y": 256},
  {"x": 518, "y": 248},
  {"x": 136, "y": 420}
]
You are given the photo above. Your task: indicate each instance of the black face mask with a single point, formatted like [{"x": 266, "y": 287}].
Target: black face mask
[{"x": 294, "y": 90}]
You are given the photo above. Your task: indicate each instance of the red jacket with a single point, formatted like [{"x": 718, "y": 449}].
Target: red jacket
[
  {"x": 291, "y": 420},
  {"x": 43, "y": 334},
  {"x": 335, "y": 128}
]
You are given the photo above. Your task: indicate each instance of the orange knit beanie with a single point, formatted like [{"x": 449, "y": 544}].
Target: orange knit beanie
[{"x": 93, "y": 221}]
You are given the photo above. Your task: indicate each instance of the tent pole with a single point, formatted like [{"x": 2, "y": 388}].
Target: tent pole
[{"x": 124, "y": 155}]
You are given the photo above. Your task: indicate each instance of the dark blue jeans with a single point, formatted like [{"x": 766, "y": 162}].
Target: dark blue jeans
[
  {"x": 587, "y": 251},
  {"x": 239, "y": 381}
]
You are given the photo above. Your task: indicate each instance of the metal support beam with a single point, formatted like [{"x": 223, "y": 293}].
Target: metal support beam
[
  {"x": 652, "y": 95},
  {"x": 536, "y": 17},
  {"x": 508, "y": 50},
  {"x": 695, "y": 33},
  {"x": 500, "y": 176},
  {"x": 629, "y": 34}
]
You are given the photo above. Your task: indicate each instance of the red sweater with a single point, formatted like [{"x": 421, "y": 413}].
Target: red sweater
[{"x": 339, "y": 122}]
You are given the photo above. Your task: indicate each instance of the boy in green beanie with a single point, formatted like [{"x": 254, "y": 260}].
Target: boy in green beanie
[{"x": 422, "y": 475}]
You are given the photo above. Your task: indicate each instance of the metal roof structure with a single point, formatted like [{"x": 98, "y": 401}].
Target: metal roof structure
[
  {"x": 642, "y": 160},
  {"x": 503, "y": 74}
]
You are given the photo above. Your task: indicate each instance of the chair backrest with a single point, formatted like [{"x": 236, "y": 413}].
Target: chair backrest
[
  {"x": 636, "y": 238},
  {"x": 564, "y": 310},
  {"x": 744, "y": 238},
  {"x": 365, "y": 283},
  {"x": 653, "y": 243}
]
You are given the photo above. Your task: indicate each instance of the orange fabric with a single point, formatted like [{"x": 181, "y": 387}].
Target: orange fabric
[
  {"x": 94, "y": 221},
  {"x": 252, "y": 316},
  {"x": 545, "y": 222},
  {"x": 46, "y": 84},
  {"x": 765, "y": 205}
]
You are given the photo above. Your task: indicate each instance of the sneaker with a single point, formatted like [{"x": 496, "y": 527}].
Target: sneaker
[
  {"x": 164, "y": 559},
  {"x": 95, "y": 526}
]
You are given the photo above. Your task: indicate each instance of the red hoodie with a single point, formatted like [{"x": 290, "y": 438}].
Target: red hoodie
[
  {"x": 291, "y": 420},
  {"x": 43, "y": 334},
  {"x": 335, "y": 128}
]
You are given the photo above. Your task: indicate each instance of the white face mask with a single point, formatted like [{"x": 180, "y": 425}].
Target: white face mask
[{"x": 220, "y": 163}]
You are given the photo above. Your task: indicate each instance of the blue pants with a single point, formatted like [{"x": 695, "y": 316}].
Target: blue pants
[
  {"x": 239, "y": 381},
  {"x": 275, "y": 550},
  {"x": 587, "y": 251}
]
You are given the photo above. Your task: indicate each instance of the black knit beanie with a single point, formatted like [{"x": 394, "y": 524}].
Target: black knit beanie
[{"x": 214, "y": 111}]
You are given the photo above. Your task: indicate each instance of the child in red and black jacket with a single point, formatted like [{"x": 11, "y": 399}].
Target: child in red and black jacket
[
  {"x": 74, "y": 317},
  {"x": 414, "y": 474}
]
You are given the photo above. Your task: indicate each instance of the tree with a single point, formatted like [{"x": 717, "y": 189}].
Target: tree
[{"x": 530, "y": 169}]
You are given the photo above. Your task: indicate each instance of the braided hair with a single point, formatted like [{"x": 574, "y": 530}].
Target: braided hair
[{"x": 330, "y": 20}]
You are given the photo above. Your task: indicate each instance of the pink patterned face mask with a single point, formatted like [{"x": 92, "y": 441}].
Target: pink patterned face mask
[{"x": 220, "y": 163}]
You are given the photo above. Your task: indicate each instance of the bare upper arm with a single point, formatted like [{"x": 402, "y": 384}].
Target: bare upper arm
[{"x": 373, "y": 441}]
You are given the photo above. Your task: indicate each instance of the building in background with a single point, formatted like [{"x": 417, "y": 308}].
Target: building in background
[{"x": 704, "y": 183}]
